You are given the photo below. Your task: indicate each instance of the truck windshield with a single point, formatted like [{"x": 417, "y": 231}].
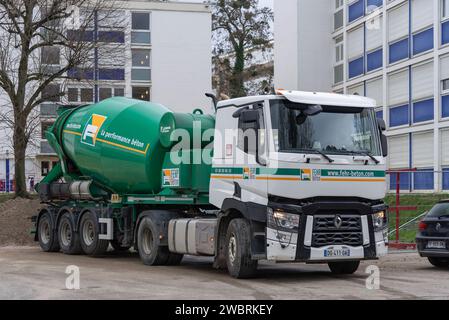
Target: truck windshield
[{"x": 336, "y": 130}]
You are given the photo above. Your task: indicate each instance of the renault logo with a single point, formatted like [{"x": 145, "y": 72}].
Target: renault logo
[
  {"x": 338, "y": 222},
  {"x": 438, "y": 227}
]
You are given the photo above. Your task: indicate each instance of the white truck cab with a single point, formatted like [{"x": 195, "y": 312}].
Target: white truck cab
[{"x": 308, "y": 173}]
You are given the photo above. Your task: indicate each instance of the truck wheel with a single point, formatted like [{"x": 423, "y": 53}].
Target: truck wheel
[
  {"x": 90, "y": 242},
  {"x": 69, "y": 240},
  {"x": 150, "y": 251},
  {"x": 346, "y": 267},
  {"x": 238, "y": 246},
  {"x": 48, "y": 238},
  {"x": 439, "y": 262}
]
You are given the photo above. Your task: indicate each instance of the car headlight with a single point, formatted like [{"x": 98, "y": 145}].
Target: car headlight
[
  {"x": 380, "y": 220},
  {"x": 278, "y": 219}
]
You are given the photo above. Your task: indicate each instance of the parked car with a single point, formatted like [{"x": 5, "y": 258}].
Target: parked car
[{"x": 433, "y": 235}]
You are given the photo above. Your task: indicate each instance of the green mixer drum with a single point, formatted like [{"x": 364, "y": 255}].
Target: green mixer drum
[{"x": 117, "y": 143}]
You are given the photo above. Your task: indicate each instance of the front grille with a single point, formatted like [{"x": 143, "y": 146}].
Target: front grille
[
  {"x": 327, "y": 223},
  {"x": 337, "y": 230},
  {"x": 327, "y": 239}
]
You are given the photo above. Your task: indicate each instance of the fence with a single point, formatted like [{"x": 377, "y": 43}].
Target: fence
[{"x": 413, "y": 192}]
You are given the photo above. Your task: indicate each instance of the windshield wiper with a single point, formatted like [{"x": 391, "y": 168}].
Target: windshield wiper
[
  {"x": 365, "y": 153},
  {"x": 325, "y": 156}
]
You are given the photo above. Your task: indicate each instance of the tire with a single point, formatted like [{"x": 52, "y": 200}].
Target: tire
[
  {"x": 439, "y": 262},
  {"x": 89, "y": 236},
  {"x": 46, "y": 234},
  {"x": 69, "y": 240},
  {"x": 118, "y": 247},
  {"x": 238, "y": 250},
  {"x": 346, "y": 267},
  {"x": 148, "y": 243}
]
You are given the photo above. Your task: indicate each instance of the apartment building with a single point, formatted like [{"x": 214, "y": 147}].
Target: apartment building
[
  {"x": 394, "y": 51},
  {"x": 162, "y": 54}
]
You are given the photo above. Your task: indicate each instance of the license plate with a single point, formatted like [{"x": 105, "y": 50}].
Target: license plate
[
  {"x": 331, "y": 253},
  {"x": 436, "y": 245}
]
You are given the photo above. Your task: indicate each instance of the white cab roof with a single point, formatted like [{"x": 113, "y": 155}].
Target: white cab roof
[{"x": 322, "y": 98}]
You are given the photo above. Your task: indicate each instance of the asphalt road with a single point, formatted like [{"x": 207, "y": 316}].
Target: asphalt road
[{"x": 28, "y": 273}]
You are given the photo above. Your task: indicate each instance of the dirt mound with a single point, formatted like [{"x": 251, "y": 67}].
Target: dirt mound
[{"x": 15, "y": 222}]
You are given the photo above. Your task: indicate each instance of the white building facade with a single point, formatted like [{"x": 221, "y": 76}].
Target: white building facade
[
  {"x": 394, "y": 51},
  {"x": 164, "y": 57}
]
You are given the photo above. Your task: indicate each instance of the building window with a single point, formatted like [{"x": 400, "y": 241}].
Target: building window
[
  {"x": 399, "y": 116},
  {"x": 423, "y": 179},
  {"x": 404, "y": 183},
  {"x": 356, "y": 10},
  {"x": 423, "y": 41},
  {"x": 445, "y": 106},
  {"x": 52, "y": 93},
  {"x": 399, "y": 50},
  {"x": 119, "y": 92},
  {"x": 111, "y": 36},
  {"x": 423, "y": 110},
  {"x": 72, "y": 94},
  {"x": 339, "y": 50},
  {"x": 380, "y": 114},
  {"x": 45, "y": 168},
  {"x": 445, "y": 179},
  {"x": 141, "y": 65},
  {"x": 374, "y": 60},
  {"x": 140, "y": 28},
  {"x": 372, "y": 5},
  {"x": 50, "y": 56},
  {"x": 445, "y": 9},
  {"x": 44, "y": 127},
  {"x": 141, "y": 93},
  {"x": 445, "y": 33},
  {"x": 87, "y": 95},
  {"x": 445, "y": 85},
  {"x": 105, "y": 93},
  {"x": 356, "y": 67}
]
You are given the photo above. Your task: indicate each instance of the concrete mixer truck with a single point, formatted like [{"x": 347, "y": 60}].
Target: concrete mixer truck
[{"x": 291, "y": 177}]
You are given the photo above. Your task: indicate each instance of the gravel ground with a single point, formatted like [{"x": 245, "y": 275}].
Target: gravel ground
[
  {"x": 15, "y": 221},
  {"x": 28, "y": 273}
]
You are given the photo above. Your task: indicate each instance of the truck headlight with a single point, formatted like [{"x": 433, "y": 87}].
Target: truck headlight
[
  {"x": 278, "y": 219},
  {"x": 380, "y": 220}
]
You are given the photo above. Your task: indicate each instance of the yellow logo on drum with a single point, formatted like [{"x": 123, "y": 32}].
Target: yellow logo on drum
[{"x": 92, "y": 129}]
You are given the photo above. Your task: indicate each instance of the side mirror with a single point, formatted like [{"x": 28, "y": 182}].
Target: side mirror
[
  {"x": 382, "y": 125},
  {"x": 312, "y": 110},
  {"x": 384, "y": 144}
]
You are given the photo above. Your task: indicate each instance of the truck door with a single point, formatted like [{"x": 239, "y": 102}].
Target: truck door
[{"x": 250, "y": 157}]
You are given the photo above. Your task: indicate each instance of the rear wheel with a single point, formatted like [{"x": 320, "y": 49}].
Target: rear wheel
[
  {"x": 48, "y": 238},
  {"x": 148, "y": 243},
  {"x": 238, "y": 250},
  {"x": 89, "y": 236},
  {"x": 69, "y": 240},
  {"x": 346, "y": 267},
  {"x": 439, "y": 262}
]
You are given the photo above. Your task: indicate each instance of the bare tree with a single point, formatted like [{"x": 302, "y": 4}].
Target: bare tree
[
  {"x": 239, "y": 25},
  {"x": 42, "y": 44}
]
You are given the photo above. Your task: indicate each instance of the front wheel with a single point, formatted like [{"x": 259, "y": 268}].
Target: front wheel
[
  {"x": 238, "y": 250},
  {"x": 346, "y": 267},
  {"x": 439, "y": 262}
]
